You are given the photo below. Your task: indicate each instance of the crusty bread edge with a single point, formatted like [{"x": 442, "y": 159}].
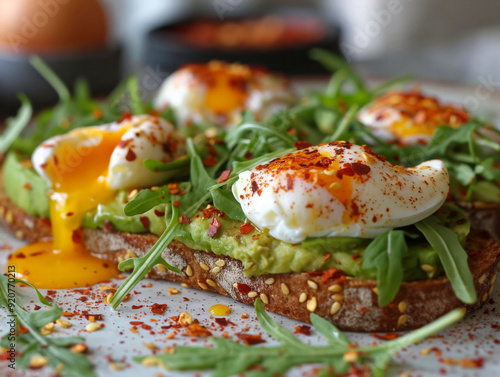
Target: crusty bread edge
[{"x": 350, "y": 304}]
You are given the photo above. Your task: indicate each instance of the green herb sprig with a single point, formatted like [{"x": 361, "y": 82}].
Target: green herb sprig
[
  {"x": 32, "y": 343},
  {"x": 229, "y": 358}
]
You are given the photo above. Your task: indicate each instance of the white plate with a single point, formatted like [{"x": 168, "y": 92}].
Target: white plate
[{"x": 478, "y": 336}]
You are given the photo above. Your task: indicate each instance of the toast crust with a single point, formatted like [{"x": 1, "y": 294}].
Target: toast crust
[{"x": 350, "y": 304}]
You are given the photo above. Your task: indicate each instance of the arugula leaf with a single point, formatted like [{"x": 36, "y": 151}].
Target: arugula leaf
[
  {"x": 386, "y": 253},
  {"x": 154, "y": 165},
  {"x": 225, "y": 201},
  {"x": 17, "y": 124},
  {"x": 229, "y": 358},
  {"x": 49, "y": 75},
  {"x": 32, "y": 343},
  {"x": 147, "y": 199},
  {"x": 452, "y": 255}
]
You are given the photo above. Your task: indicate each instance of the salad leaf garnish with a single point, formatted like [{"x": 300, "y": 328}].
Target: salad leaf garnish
[
  {"x": 30, "y": 343},
  {"x": 386, "y": 253},
  {"x": 229, "y": 358},
  {"x": 16, "y": 124},
  {"x": 453, "y": 257},
  {"x": 147, "y": 199}
]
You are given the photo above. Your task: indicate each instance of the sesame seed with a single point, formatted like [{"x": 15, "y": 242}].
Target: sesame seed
[
  {"x": 284, "y": 288},
  {"x": 116, "y": 366},
  {"x": 220, "y": 263},
  {"x": 189, "y": 271},
  {"x": 150, "y": 346},
  {"x": 161, "y": 268},
  {"x": 79, "y": 348},
  {"x": 493, "y": 278},
  {"x": 330, "y": 172},
  {"x": 38, "y": 361},
  {"x": 312, "y": 284},
  {"x": 264, "y": 298},
  {"x": 338, "y": 297},
  {"x": 211, "y": 283},
  {"x": 402, "y": 307},
  {"x": 2, "y": 211},
  {"x": 252, "y": 294},
  {"x": 131, "y": 254},
  {"x": 202, "y": 285},
  {"x": 63, "y": 323},
  {"x": 369, "y": 159},
  {"x": 185, "y": 319},
  {"x": 402, "y": 319},
  {"x": 425, "y": 351},
  {"x": 335, "y": 185},
  {"x": 427, "y": 267},
  {"x": 173, "y": 291},
  {"x": 204, "y": 266},
  {"x": 350, "y": 356},
  {"x": 9, "y": 217},
  {"x": 108, "y": 298},
  {"x": 19, "y": 234},
  {"x": 215, "y": 270},
  {"x": 269, "y": 281},
  {"x": 235, "y": 285},
  {"x": 312, "y": 304},
  {"x": 375, "y": 290},
  {"x": 485, "y": 297},
  {"x": 335, "y": 288},
  {"x": 335, "y": 308},
  {"x": 184, "y": 285},
  {"x": 302, "y": 297},
  {"x": 150, "y": 362},
  {"x": 491, "y": 289},
  {"x": 482, "y": 279},
  {"x": 93, "y": 326}
]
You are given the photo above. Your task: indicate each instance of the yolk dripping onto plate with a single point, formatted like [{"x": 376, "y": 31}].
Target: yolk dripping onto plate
[{"x": 78, "y": 169}]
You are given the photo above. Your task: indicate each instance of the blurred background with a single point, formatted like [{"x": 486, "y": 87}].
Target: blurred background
[{"x": 105, "y": 40}]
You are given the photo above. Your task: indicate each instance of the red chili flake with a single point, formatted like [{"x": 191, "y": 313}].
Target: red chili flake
[
  {"x": 243, "y": 288},
  {"x": 184, "y": 219},
  {"x": 136, "y": 323},
  {"x": 125, "y": 116},
  {"x": 372, "y": 153},
  {"x": 125, "y": 143},
  {"x": 302, "y": 145},
  {"x": 69, "y": 214},
  {"x": 214, "y": 227},
  {"x": 185, "y": 299},
  {"x": 331, "y": 273},
  {"x": 145, "y": 221},
  {"x": 83, "y": 299},
  {"x": 131, "y": 156},
  {"x": 196, "y": 330},
  {"x": 304, "y": 329},
  {"x": 389, "y": 336},
  {"x": 37, "y": 307},
  {"x": 346, "y": 170},
  {"x": 224, "y": 176},
  {"x": 135, "y": 307},
  {"x": 159, "y": 213},
  {"x": 461, "y": 221},
  {"x": 208, "y": 212},
  {"x": 472, "y": 363},
  {"x": 177, "y": 203},
  {"x": 356, "y": 256},
  {"x": 20, "y": 255},
  {"x": 97, "y": 113},
  {"x": 158, "y": 308},
  {"x": 97, "y": 317},
  {"x": 22, "y": 330},
  {"x": 289, "y": 182},
  {"x": 360, "y": 169},
  {"x": 250, "y": 340},
  {"x": 255, "y": 186},
  {"x": 27, "y": 186},
  {"x": 145, "y": 327},
  {"x": 210, "y": 161},
  {"x": 364, "y": 310},
  {"x": 108, "y": 226},
  {"x": 246, "y": 228},
  {"x": 56, "y": 160},
  {"x": 222, "y": 322},
  {"x": 77, "y": 237},
  {"x": 324, "y": 162}
]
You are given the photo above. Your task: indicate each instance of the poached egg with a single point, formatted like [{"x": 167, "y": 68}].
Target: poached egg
[
  {"x": 216, "y": 93},
  {"x": 409, "y": 117},
  {"x": 85, "y": 167},
  {"x": 338, "y": 190}
]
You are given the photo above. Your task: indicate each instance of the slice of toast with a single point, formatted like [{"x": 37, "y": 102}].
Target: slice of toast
[
  {"x": 484, "y": 216},
  {"x": 349, "y": 303}
]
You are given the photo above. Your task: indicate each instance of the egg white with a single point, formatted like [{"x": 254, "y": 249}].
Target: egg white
[{"x": 387, "y": 197}]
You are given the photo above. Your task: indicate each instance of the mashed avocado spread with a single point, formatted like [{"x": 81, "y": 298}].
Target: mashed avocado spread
[{"x": 259, "y": 252}]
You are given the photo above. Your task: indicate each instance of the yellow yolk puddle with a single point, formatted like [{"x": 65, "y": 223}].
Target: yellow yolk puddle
[
  {"x": 78, "y": 170},
  {"x": 226, "y": 92},
  {"x": 406, "y": 127},
  {"x": 219, "y": 310}
]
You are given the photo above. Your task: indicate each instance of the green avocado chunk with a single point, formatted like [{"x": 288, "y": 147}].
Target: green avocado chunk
[{"x": 25, "y": 187}]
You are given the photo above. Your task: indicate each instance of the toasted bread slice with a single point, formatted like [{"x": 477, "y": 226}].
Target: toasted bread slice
[{"x": 350, "y": 304}]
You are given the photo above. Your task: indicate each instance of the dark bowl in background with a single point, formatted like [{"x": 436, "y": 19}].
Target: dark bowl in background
[
  {"x": 166, "y": 50},
  {"x": 101, "y": 68}
]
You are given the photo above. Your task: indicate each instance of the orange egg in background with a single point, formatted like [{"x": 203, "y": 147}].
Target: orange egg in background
[{"x": 52, "y": 25}]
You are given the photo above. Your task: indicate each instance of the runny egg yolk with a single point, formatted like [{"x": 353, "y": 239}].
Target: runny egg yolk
[
  {"x": 78, "y": 169},
  {"x": 226, "y": 88}
]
